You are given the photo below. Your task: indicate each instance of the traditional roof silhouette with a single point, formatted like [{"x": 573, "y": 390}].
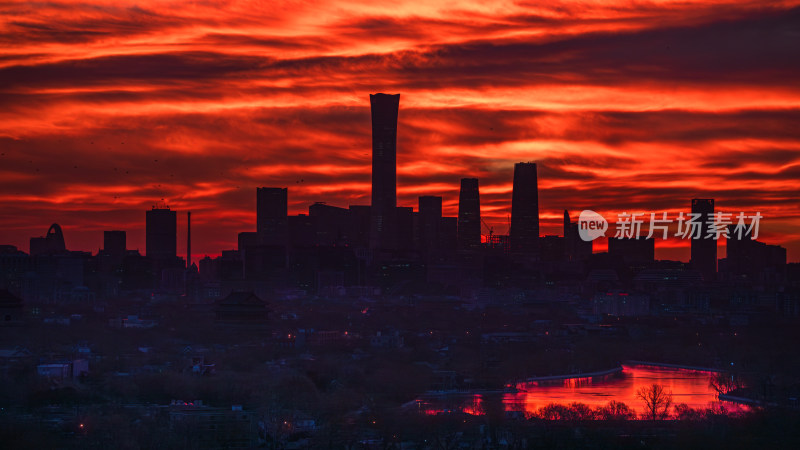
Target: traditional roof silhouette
[
  {"x": 241, "y": 308},
  {"x": 242, "y": 299}
]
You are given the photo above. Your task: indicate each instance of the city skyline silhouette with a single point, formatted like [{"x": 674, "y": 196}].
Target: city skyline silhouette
[
  {"x": 619, "y": 114},
  {"x": 384, "y": 233},
  {"x": 383, "y": 119},
  {"x": 349, "y": 224}
]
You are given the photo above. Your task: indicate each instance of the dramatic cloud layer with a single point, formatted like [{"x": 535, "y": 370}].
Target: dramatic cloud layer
[{"x": 109, "y": 107}]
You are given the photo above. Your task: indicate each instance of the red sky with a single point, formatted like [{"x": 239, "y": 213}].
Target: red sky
[{"x": 108, "y": 107}]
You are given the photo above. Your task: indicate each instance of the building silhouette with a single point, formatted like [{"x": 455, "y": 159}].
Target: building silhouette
[
  {"x": 575, "y": 248},
  {"x": 332, "y": 224},
  {"x": 404, "y": 218},
  {"x": 246, "y": 239},
  {"x": 360, "y": 216},
  {"x": 632, "y": 251},
  {"x": 240, "y": 309},
  {"x": 272, "y": 206},
  {"x": 188, "y": 239},
  {"x": 51, "y": 243},
  {"x": 114, "y": 243},
  {"x": 524, "y": 230},
  {"x": 263, "y": 252},
  {"x": 384, "y": 171},
  {"x": 551, "y": 248},
  {"x": 704, "y": 249},
  {"x": 749, "y": 259},
  {"x": 161, "y": 233},
  {"x": 447, "y": 242},
  {"x": 469, "y": 215},
  {"x": 429, "y": 219}
]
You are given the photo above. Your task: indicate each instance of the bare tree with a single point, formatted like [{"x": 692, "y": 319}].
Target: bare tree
[
  {"x": 684, "y": 412},
  {"x": 657, "y": 401},
  {"x": 573, "y": 411},
  {"x": 724, "y": 382},
  {"x": 554, "y": 411},
  {"x": 615, "y": 410}
]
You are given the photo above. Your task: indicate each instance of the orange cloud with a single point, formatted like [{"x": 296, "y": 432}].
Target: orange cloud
[{"x": 109, "y": 107}]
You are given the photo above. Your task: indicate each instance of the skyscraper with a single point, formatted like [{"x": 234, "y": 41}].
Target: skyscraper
[
  {"x": 430, "y": 217},
  {"x": 359, "y": 224},
  {"x": 404, "y": 218},
  {"x": 447, "y": 240},
  {"x": 161, "y": 234},
  {"x": 272, "y": 211},
  {"x": 575, "y": 248},
  {"x": 524, "y": 231},
  {"x": 188, "y": 239},
  {"x": 704, "y": 249},
  {"x": 247, "y": 239},
  {"x": 469, "y": 215},
  {"x": 384, "y": 171}
]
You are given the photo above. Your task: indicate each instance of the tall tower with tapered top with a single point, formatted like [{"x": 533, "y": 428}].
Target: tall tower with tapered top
[
  {"x": 384, "y": 171},
  {"x": 524, "y": 231}
]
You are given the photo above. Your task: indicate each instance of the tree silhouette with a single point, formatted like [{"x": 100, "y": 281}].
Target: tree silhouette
[
  {"x": 684, "y": 412},
  {"x": 574, "y": 412},
  {"x": 724, "y": 382},
  {"x": 657, "y": 401},
  {"x": 615, "y": 410}
]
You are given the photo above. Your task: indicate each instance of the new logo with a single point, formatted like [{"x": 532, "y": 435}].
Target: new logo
[{"x": 591, "y": 225}]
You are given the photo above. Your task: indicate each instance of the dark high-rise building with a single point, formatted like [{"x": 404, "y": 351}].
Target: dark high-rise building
[
  {"x": 332, "y": 224},
  {"x": 704, "y": 249},
  {"x": 264, "y": 259},
  {"x": 551, "y": 248},
  {"x": 750, "y": 259},
  {"x": 384, "y": 171},
  {"x": 161, "y": 234},
  {"x": 447, "y": 242},
  {"x": 524, "y": 231},
  {"x": 114, "y": 243},
  {"x": 359, "y": 225},
  {"x": 575, "y": 248},
  {"x": 404, "y": 217},
  {"x": 429, "y": 222},
  {"x": 246, "y": 239},
  {"x": 469, "y": 215},
  {"x": 188, "y": 239},
  {"x": 303, "y": 231},
  {"x": 272, "y": 211}
]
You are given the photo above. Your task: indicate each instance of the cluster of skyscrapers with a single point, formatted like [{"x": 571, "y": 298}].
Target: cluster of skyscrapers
[
  {"x": 382, "y": 231},
  {"x": 385, "y": 244}
]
